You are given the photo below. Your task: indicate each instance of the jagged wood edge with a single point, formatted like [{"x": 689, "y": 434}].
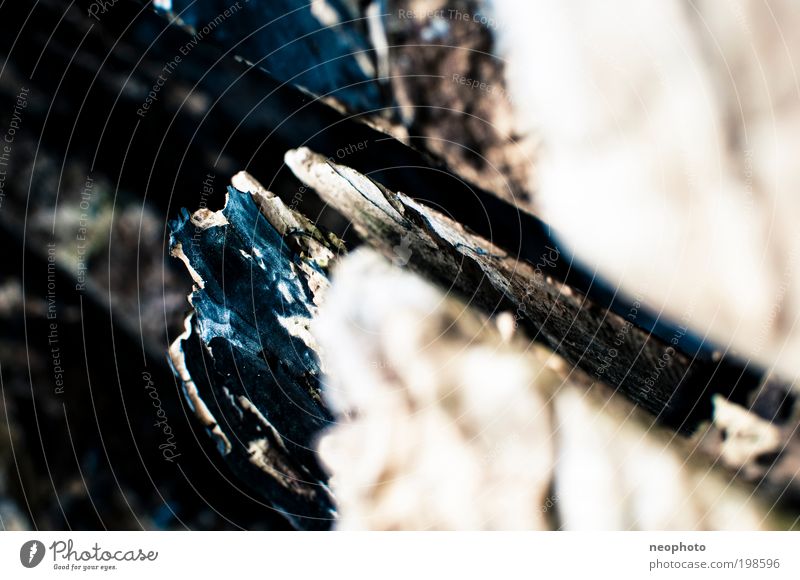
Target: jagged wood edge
[
  {"x": 264, "y": 416},
  {"x": 650, "y": 371}
]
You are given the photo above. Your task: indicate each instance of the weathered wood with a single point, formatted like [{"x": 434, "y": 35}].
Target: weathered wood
[
  {"x": 261, "y": 273},
  {"x": 652, "y": 372},
  {"x": 248, "y": 364}
]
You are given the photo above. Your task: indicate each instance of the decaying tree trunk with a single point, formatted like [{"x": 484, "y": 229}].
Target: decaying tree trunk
[
  {"x": 652, "y": 372},
  {"x": 401, "y": 357},
  {"x": 474, "y": 338}
]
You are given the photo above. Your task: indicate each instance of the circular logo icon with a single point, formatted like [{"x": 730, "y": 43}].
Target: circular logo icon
[{"x": 31, "y": 553}]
